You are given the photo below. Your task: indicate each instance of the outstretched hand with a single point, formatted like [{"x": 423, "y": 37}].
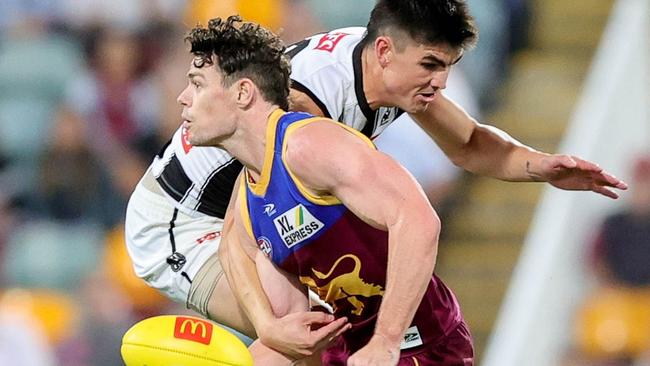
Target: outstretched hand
[
  {"x": 575, "y": 174},
  {"x": 301, "y": 334}
]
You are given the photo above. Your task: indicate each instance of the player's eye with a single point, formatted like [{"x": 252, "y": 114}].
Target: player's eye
[{"x": 430, "y": 66}]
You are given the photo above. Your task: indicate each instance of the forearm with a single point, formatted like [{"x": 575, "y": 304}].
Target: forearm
[
  {"x": 287, "y": 295},
  {"x": 478, "y": 148},
  {"x": 492, "y": 152},
  {"x": 241, "y": 272},
  {"x": 284, "y": 323},
  {"x": 411, "y": 261}
]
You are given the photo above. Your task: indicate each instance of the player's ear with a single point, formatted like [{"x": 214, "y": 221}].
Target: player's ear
[
  {"x": 245, "y": 92},
  {"x": 383, "y": 50}
]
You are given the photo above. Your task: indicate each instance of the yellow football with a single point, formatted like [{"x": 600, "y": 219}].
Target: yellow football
[{"x": 171, "y": 340}]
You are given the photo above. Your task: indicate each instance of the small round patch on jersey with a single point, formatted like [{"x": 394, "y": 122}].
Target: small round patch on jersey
[{"x": 265, "y": 246}]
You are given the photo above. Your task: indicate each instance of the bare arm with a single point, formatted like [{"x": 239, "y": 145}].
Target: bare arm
[
  {"x": 486, "y": 150},
  {"x": 237, "y": 255},
  {"x": 301, "y": 102},
  {"x": 264, "y": 292},
  {"x": 393, "y": 202}
]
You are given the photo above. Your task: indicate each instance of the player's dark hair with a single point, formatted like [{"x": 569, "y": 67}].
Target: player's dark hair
[
  {"x": 426, "y": 21},
  {"x": 244, "y": 50}
]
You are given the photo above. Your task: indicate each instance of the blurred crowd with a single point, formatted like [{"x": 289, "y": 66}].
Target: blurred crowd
[
  {"x": 612, "y": 324},
  {"x": 88, "y": 96}
]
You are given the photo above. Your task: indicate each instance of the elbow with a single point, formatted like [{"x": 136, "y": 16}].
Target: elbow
[
  {"x": 432, "y": 222},
  {"x": 461, "y": 155},
  {"x": 469, "y": 153},
  {"x": 460, "y": 159},
  {"x": 431, "y": 235}
]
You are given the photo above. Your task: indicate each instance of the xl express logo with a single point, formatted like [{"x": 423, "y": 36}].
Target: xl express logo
[{"x": 296, "y": 225}]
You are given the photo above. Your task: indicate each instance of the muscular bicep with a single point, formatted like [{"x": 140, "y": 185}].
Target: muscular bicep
[
  {"x": 334, "y": 161},
  {"x": 381, "y": 192}
]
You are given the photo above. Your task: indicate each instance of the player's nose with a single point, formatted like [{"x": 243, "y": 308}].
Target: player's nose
[
  {"x": 184, "y": 97},
  {"x": 439, "y": 80}
]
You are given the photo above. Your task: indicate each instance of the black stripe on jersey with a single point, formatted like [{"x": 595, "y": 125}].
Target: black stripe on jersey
[
  {"x": 218, "y": 188},
  {"x": 162, "y": 149},
  {"x": 294, "y": 49},
  {"x": 301, "y": 88},
  {"x": 177, "y": 260},
  {"x": 172, "y": 224},
  {"x": 361, "y": 95},
  {"x": 174, "y": 181}
]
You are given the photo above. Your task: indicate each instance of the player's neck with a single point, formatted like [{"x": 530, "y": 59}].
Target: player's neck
[
  {"x": 248, "y": 142},
  {"x": 371, "y": 71}
]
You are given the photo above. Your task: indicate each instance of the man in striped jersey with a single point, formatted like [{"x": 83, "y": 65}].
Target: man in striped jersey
[{"x": 365, "y": 78}]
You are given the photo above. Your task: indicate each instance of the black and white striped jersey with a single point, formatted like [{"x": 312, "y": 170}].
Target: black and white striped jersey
[
  {"x": 327, "y": 67},
  {"x": 196, "y": 178}
]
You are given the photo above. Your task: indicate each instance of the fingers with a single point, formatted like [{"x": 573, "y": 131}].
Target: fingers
[
  {"x": 332, "y": 329},
  {"x": 612, "y": 181},
  {"x": 341, "y": 331},
  {"x": 606, "y": 181},
  {"x": 603, "y": 178},
  {"x": 317, "y": 317},
  {"x": 586, "y": 165},
  {"x": 328, "y": 333},
  {"x": 605, "y": 192}
]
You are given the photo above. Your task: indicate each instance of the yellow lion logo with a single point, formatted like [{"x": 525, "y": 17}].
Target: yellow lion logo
[{"x": 348, "y": 286}]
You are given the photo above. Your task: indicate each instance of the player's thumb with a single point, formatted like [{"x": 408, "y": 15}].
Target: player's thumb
[{"x": 312, "y": 317}]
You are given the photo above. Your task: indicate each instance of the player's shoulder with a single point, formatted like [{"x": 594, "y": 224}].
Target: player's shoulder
[
  {"x": 323, "y": 152},
  {"x": 312, "y": 148},
  {"x": 303, "y": 138},
  {"x": 321, "y": 135}
]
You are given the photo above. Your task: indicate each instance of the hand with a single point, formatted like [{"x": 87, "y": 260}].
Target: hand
[
  {"x": 378, "y": 352},
  {"x": 575, "y": 174},
  {"x": 301, "y": 334}
]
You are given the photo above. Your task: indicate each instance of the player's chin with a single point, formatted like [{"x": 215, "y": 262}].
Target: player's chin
[
  {"x": 417, "y": 107},
  {"x": 195, "y": 140}
]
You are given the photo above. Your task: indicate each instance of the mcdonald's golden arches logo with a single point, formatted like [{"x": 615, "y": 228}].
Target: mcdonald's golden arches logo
[{"x": 193, "y": 329}]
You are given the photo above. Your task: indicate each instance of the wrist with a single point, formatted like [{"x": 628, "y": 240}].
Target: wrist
[
  {"x": 263, "y": 326},
  {"x": 391, "y": 339},
  {"x": 533, "y": 171},
  {"x": 537, "y": 165}
]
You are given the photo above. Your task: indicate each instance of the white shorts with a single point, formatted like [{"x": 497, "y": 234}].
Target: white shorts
[{"x": 166, "y": 246}]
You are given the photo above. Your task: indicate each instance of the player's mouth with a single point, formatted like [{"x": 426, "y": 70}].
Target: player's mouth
[
  {"x": 186, "y": 121},
  {"x": 426, "y": 97}
]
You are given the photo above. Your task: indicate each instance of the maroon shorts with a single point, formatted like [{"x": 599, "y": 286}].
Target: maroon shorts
[{"x": 454, "y": 350}]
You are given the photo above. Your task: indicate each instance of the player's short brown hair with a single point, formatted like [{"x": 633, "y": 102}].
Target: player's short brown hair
[
  {"x": 244, "y": 50},
  {"x": 427, "y": 21}
]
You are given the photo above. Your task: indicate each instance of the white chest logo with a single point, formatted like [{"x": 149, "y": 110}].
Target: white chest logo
[
  {"x": 296, "y": 225},
  {"x": 269, "y": 209},
  {"x": 411, "y": 338}
]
